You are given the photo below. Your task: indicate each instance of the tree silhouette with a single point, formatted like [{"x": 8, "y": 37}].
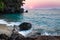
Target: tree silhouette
[{"x": 11, "y": 4}]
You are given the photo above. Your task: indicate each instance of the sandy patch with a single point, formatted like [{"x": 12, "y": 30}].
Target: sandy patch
[{"x": 5, "y": 29}]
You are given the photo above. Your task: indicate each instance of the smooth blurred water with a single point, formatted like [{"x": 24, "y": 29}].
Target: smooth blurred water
[{"x": 45, "y": 21}]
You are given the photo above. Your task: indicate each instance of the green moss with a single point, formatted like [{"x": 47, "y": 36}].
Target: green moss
[{"x": 1, "y": 6}]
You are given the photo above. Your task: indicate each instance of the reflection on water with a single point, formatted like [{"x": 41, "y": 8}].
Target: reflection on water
[{"x": 12, "y": 17}]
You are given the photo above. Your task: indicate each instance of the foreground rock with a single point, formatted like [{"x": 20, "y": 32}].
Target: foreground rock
[
  {"x": 3, "y": 37},
  {"x": 47, "y": 38},
  {"x": 20, "y": 37}
]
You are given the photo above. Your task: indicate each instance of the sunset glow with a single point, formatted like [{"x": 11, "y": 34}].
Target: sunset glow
[{"x": 42, "y": 4}]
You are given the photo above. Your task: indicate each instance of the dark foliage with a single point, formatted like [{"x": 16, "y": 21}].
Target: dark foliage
[{"x": 11, "y": 6}]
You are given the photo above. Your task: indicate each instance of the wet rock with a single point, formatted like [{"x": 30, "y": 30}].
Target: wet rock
[
  {"x": 16, "y": 36},
  {"x": 4, "y": 37},
  {"x": 26, "y": 11},
  {"x": 25, "y": 26},
  {"x": 47, "y": 38},
  {"x": 20, "y": 37}
]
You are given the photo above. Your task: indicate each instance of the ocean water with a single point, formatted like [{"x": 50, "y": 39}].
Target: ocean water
[{"x": 44, "y": 21}]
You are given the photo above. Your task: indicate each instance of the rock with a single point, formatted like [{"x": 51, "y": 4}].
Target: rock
[
  {"x": 26, "y": 11},
  {"x": 47, "y": 38},
  {"x": 20, "y": 37},
  {"x": 16, "y": 36},
  {"x": 25, "y": 26},
  {"x": 4, "y": 36}
]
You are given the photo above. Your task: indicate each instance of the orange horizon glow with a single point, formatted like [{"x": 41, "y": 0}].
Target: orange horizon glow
[{"x": 41, "y": 3}]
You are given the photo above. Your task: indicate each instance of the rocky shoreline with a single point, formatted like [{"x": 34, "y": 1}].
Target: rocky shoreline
[
  {"x": 20, "y": 37},
  {"x": 14, "y": 35}
]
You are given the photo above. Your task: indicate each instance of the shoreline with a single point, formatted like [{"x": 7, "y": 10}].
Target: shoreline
[
  {"x": 45, "y": 38},
  {"x": 5, "y": 30}
]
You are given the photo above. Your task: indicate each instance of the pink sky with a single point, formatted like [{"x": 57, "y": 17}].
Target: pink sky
[{"x": 42, "y": 4}]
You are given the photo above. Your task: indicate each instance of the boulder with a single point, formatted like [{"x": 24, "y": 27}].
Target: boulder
[
  {"x": 26, "y": 11},
  {"x": 25, "y": 26}
]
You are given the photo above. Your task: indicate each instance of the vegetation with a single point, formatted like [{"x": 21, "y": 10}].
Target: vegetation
[
  {"x": 11, "y": 5},
  {"x": 1, "y": 5}
]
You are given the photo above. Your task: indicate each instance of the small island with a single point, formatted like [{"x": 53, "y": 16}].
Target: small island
[{"x": 11, "y": 6}]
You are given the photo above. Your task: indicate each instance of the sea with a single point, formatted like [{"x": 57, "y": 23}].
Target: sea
[{"x": 44, "y": 21}]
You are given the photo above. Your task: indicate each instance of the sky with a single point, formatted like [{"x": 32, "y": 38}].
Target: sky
[{"x": 32, "y": 4}]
